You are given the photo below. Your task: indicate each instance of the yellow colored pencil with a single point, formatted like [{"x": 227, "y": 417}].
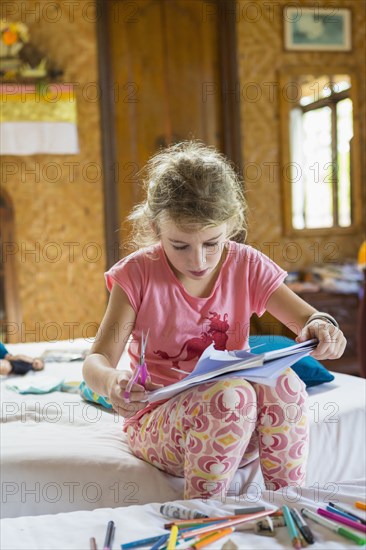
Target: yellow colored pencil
[
  {"x": 173, "y": 538},
  {"x": 360, "y": 505},
  {"x": 212, "y": 538}
]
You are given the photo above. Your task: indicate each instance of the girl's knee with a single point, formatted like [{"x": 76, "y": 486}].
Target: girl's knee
[
  {"x": 230, "y": 390},
  {"x": 233, "y": 395},
  {"x": 290, "y": 388},
  {"x": 294, "y": 378}
]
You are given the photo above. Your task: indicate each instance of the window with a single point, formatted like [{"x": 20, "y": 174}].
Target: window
[{"x": 319, "y": 154}]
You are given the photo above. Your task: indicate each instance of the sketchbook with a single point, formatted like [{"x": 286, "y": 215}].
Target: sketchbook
[{"x": 263, "y": 368}]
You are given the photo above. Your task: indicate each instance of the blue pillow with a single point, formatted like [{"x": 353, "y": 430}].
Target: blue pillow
[{"x": 308, "y": 369}]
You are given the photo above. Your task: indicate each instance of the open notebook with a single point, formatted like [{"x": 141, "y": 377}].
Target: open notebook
[{"x": 263, "y": 368}]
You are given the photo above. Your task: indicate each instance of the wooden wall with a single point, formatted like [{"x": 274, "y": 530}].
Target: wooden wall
[
  {"x": 68, "y": 296},
  {"x": 57, "y": 206},
  {"x": 260, "y": 57}
]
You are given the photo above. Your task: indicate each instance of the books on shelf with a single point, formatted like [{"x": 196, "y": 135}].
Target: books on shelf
[{"x": 263, "y": 368}]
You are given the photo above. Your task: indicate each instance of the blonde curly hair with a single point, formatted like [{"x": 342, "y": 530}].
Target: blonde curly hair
[{"x": 193, "y": 185}]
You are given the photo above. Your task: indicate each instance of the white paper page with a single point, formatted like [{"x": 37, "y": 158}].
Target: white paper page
[
  {"x": 206, "y": 365},
  {"x": 272, "y": 369},
  {"x": 239, "y": 355},
  {"x": 208, "y": 369},
  {"x": 308, "y": 345}
]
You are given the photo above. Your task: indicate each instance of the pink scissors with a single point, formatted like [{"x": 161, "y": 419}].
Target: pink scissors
[{"x": 141, "y": 369}]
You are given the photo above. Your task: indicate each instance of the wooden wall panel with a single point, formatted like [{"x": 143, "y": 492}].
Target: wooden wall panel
[
  {"x": 165, "y": 57},
  {"x": 71, "y": 290},
  {"x": 65, "y": 204},
  {"x": 260, "y": 57}
]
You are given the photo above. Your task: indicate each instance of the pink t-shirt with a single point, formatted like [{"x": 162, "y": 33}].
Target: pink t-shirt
[{"x": 181, "y": 325}]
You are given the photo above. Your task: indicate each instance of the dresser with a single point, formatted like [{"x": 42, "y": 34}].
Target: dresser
[{"x": 343, "y": 307}]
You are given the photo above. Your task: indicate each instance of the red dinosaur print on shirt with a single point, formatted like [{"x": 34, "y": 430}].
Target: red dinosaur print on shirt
[
  {"x": 218, "y": 329},
  {"x": 194, "y": 347}
]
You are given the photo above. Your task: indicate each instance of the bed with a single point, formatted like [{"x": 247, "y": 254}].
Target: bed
[
  {"x": 74, "y": 529},
  {"x": 61, "y": 454}
]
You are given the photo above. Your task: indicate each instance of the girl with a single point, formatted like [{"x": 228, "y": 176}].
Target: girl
[
  {"x": 192, "y": 285},
  {"x": 17, "y": 364}
]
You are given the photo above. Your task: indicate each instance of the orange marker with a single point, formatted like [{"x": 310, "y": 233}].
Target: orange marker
[{"x": 360, "y": 505}]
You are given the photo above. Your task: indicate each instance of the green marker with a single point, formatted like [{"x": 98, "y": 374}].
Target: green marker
[{"x": 333, "y": 526}]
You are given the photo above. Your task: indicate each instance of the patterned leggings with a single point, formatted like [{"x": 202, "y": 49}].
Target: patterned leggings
[{"x": 206, "y": 433}]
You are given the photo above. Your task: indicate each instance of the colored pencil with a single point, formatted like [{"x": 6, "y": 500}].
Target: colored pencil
[
  {"x": 360, "y": 505},
  {"x": 159, "y": 542},
  {"x": 141, "y": 542},
  {"x": 194, "y": 522},
  {"x": 172, "y": 538},
  {"x": 216, "y": 535},
  {"x": 229, "y": 523},
  {"x": 335, "y": 517},
  {"x": 216, "y": 524},
  {"x": 93, "y": 544},
  {"x": 292, "y": 531},
  {"x": 198, "y": 521}
]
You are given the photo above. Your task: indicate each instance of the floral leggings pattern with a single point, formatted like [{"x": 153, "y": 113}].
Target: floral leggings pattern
[{"x": 207, "y": 432}]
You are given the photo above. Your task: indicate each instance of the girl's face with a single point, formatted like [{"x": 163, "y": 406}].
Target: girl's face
[{"x": 193, "y": 255}]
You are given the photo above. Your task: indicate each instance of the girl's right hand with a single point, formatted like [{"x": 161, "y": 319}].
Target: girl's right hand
[{"x": 138, "y": 394}]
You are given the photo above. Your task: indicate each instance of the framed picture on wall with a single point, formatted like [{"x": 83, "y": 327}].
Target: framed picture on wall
[{"x": 317, "y": 29}]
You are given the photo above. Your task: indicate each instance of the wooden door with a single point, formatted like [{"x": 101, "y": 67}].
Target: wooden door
[
  {"x": 164, "y": 57},
  {"x": 166, "y": 71},
  {"x": 10, "y": 313}
]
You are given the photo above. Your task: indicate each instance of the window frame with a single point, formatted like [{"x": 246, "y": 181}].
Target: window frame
[{"x": 287, "y": 76}]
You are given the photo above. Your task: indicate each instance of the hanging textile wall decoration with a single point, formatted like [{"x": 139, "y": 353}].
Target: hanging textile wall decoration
[{"x": 38, "y": 119}]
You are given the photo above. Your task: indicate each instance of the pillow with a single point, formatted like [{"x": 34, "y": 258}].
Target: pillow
[
  {"x": 308, "y": 369},
  {"x": 89, "y": 395}
]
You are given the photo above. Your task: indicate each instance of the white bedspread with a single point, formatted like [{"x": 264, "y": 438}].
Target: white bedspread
[
  {"x": 60, "y": 454},
  {"x": 73, "y": 530}
]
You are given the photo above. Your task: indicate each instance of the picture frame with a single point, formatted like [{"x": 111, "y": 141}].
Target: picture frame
[{"x": 317, "y": 29}]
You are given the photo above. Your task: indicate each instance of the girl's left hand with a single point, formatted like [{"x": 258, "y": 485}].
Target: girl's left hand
[{"x": 332, "y": 342}]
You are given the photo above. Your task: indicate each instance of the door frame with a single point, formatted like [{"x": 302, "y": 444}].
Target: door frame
[
  {"x": 230, "y": 110},
  {"x": 10, "y": 287}
]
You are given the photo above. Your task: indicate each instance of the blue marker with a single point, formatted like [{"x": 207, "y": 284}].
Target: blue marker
[{"x": 340, "y": 512}]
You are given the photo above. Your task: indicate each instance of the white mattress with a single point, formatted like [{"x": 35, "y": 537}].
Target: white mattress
[
  {"x": 73, "y": 530},
  {"x": 60, "y": 454}
]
